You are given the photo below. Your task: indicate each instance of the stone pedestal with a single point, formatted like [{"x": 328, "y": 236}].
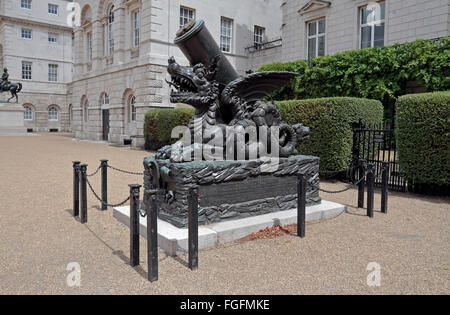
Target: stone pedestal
[
  {"x": 230, "y": 190},
  {"x": 11, "y": 119}
]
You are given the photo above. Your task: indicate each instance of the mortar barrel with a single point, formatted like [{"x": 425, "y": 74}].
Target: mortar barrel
[{"x": 198, "y": 45}]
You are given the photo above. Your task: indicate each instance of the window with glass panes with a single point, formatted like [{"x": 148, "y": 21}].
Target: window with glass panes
[
  {"x": 186, "y": 15},
  {"x": 52, "y": 73},
  {"x": 86, "y": 111},
  {"x": 132, "y": 109},
  {"x": 52, "y": 37},
  {"x": 136, "y": 27},
  {"x": 52, "y": 9},
  {"x": 372, "y": 25},
  {"x": 26, "y": 33},
  {"x": 105, "y": 99},
  {"x": 316, "y": 38},
  {"x": 226, "y": 34},
  {"x": 25, "y": 4},
  {"x": 26, "y": 70},
  {"x": 258, "y": 35},
  {"x": 28, "y": 113},
  {"x": 111, "y": 31},
  {"x": 89, "y": 47},
  {"x": 53, "y": 113}
]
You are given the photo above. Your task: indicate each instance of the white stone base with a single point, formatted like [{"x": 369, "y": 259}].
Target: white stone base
[
  {"x": 11, "y": 120},
  {"x": 174, "y": 241}
]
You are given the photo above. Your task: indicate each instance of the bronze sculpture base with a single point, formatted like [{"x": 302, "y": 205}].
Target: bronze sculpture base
[{"x": 231, "y": 190}]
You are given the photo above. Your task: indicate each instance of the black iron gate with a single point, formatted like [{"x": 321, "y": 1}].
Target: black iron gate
[{"x": 377, "y": 145}]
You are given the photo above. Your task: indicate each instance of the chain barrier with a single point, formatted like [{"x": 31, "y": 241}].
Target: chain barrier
[
  {"x": 142, "y": 211},
  {"x": 126, "y": 172},
  {"x": 95, "y": 173},
  {"x": 346, "y": 189},
  {"x": 103, "y": 203},
  {"x": 341, "y": 171}
]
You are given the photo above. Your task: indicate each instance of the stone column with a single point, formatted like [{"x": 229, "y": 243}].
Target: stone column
[
  {"x": 119, "y": 34},
  {"x": 78, "y": 51},
  {"x": 98, "y": 52}
]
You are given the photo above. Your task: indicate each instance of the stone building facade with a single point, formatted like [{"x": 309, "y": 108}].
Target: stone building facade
[
  {"x": 316, "y": 27},
  {"x": 122, "y": 48},
  {"x": 99, "y": 78},
  {"x": 36, "y": 46}
]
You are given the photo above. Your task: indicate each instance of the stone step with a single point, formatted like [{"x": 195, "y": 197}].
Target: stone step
[{"x": 174, "y": 241}]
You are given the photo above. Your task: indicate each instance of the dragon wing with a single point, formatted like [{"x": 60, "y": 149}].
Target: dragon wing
[{"x": 253, "y": 87}]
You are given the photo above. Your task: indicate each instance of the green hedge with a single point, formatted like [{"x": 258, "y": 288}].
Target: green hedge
[
  {"x": 423, "y": 137},
  {"x": 376, "y": 73},
  {"x": 330, "y": 120},
  {"x": 159, "y": 124}
]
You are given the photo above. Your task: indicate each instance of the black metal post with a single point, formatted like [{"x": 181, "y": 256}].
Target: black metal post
[
  {"x": 193, "y": 229},
  {"x": 134, "y": 225},
  {"x": 83, "y": 215},
  {"x": 151, "y": 206},
  {"x": 370, "y": 189},
  {"x": 384, "y": 188},
  {"x": 76, "y": 188},
  {"x": 355, "y": 150},
  {"x": 301, "y": 205},
  {"x": 104, "y": 166},
  {"x": 361, "y": 186}
]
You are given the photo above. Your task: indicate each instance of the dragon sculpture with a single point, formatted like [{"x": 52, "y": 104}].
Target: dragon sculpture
[
  {"x": 238, "y": 105},
  {"x": 221, "y": 105}
]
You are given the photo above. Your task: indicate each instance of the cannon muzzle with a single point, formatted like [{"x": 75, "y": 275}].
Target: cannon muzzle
[{"x": 198, "y": 45}]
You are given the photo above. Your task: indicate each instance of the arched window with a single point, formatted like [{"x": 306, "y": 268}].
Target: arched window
[
  {"x": 132, "y": 109},
  {"x": 53, "y": 113},
  {"x": 28, "y": 113},
  {"x": 86, "y": 110},
  {"x": 110, "y": 30},
  {"x": 105, "y": 99}
]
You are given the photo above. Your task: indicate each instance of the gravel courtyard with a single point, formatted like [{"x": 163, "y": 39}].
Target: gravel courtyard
[{"x": 39, "y": 238}]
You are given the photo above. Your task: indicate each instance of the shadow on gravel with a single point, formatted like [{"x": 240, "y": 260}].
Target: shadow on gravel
[
  {"x": 180, "y": 261},
  {"x": 119, "y": 254}
]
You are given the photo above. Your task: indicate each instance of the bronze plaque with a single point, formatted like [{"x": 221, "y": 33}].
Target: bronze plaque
[{"x": 250, "y": 189}]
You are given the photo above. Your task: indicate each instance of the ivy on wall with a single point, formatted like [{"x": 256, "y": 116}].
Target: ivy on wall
[{"x": 377, "y": 73}]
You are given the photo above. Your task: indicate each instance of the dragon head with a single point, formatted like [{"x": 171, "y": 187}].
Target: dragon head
[{"x": 193, "y": 85}]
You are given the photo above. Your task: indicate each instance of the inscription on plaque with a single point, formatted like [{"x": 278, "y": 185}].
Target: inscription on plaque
[{"x": 250, "y": 189}]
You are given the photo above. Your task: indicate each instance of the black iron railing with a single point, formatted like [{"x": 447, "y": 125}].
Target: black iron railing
[
  {"x": 366, "y": 173},
  {"x": 377, "y": 145}
]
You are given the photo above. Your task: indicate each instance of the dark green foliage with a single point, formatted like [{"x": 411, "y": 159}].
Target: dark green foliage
[
  {"x": 375, "y": 73},
  {"x": 423, "y": 140},
  {"x": 330, "y": 120},
  {"x": 159, "y": 124}
]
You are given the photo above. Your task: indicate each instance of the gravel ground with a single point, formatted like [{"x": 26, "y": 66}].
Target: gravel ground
[{"x": 39, "y": 238}]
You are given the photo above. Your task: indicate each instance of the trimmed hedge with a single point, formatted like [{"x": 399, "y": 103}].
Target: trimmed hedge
[
  {"x": 423, "y": 138},
  {"x": 159, "y": 124},
  {"x": 377, "y": 73},
  {"x": 330, "y": 120}
]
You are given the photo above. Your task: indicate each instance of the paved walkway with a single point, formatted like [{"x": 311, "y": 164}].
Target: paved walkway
[{"x": 39, "y": 238}]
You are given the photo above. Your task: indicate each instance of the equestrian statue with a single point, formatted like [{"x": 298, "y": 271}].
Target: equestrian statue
[{"x": 6, "y": 86}]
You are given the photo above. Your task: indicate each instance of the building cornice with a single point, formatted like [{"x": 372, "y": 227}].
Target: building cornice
[
  {"x": 314, "y": 5},
  {"x": 35, "y": 23}
]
